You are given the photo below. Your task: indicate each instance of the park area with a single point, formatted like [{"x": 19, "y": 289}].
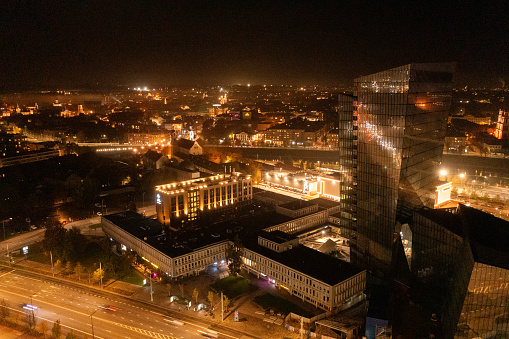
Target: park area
[
  {"x": 279, "y": 305},
  {"x": 233, "y": 286}
]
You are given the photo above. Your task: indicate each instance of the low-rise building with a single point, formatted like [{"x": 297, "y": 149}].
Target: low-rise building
[
  {"x": 185, "y": 199},
  {"x": 296, "y": 132},
  {"x": 474, "y": 119},
  {"x": 315, "y": 277},
  {"x": 455, "y": 141},
  {"x": 153, "y": 160},
  {"x": 187, "y": 147},
  {"x": 148, "y": 138},
  {"x": 274, "y": 253},
  {"x": 492, "y": 144}
]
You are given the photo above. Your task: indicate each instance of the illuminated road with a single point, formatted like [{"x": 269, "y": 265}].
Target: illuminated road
[
  {"x": 32, "y": 237},
  {"x": 21, "y": 240},
  {"x": 73, "y": 306}
]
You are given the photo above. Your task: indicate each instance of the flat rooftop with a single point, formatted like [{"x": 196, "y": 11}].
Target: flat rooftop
[
  {"x": 279, "y": 237},
  {"x": 325, "y": 203},
  {"x": 177, "y": 187},
  {"x": 297, "y": 204},
  {"x": 170, "y": 243},
  {"x": 203, "y": 232},
  {"x": 310, "y": 262}
]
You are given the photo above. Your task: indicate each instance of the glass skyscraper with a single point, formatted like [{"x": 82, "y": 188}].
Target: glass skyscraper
[
  {"x": 392, "y": 150},
  {"x": 460, "y": 265}
]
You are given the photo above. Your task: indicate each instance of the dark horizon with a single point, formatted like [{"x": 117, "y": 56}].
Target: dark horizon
[{"x": 223, "y": 43}]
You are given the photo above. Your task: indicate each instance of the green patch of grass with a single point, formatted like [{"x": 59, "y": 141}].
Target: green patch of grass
[
  {"x": 133, "y": 277},
  {"x": 92, "y": 227},
  {"x": 269, "y": 301},
  {"x": 233, "y": 286}
]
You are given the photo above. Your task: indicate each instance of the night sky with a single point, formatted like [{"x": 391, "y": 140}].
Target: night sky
[{"x": 70, "y": 43}]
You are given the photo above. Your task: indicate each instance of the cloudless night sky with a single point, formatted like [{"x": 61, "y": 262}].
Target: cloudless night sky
[{"x": 68, "y": 43}]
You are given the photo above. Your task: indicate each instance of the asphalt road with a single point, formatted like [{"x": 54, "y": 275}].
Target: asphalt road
[
  {"x": 74, "y": 306},
  {"x": 25, "y": 239},
  {"x": 21, "y": 240}
]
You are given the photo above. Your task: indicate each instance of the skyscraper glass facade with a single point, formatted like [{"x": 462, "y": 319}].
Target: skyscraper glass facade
[
  {"x": 401, "y": 120},
  {"x": 485, "y": 312},
  {"x": 347, "y": 142}
]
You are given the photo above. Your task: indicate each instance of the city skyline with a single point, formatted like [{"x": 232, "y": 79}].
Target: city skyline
[{"x": 96, "y": 43}]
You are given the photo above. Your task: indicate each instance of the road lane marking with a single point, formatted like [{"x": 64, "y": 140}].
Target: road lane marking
[
  {"x": 158, "y": 313},
  {"x": 50, "y": 321}
]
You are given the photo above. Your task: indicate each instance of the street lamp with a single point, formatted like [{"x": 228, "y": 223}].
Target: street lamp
[
  {"x": 462, "y": 176},
  {"x": 443, "y": 174},
  {"x": 92, "y": 323},
  {"x": 3, "y": 224}
]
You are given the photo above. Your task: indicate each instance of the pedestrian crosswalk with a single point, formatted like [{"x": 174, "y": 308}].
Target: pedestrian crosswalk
[{"x": 150, "y": 334}]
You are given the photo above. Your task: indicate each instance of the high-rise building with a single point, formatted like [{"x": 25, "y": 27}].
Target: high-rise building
[
  {"x": 391, "y": 151},
  {"x": 347, "y": 145},
  {"x": 461, "y": 260}
]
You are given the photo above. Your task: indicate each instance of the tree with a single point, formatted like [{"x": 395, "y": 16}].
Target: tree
[
  {"x": 56, "y": 331},
  {"x": 210, "y": 298},
  {"x": 54, "y": 237},
  {"x": 58, "y": 264},
  {"x": 168, "y": 289},
  {"x": 181, "y": 289},
  {"x": 30, "y": 319},
  {"x": 68, "y": 267},
  {"x": 43, "y": 328},
  {"x": 233, "y": 255},
  {"x": 71, "y": 335},
  {"x": 17, "y": 319},
  {"x": 98, "y": 274},
  {"x": 4, "y": 309},
  {"x": 73, "y": 244},
  {"x": 226, "y": 302},
  {"x": 78, "y": 269},
  {"x": 195, "y": 295}
]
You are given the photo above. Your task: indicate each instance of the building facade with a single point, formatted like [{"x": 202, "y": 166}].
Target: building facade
[
  {"x": 184, "y": 200},
  {"x": 502, "y": 131},
  {"x": 401, "y": 125},
  {"x": 148, "y": 138},
  {"x": 461, "y": 261},
  {"x": 292, "y": 267}
]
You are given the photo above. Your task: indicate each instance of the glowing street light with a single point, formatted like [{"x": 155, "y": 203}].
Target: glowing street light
[
  {"x": 443, "y": 173},
  {"x": 462, "y": 176}
]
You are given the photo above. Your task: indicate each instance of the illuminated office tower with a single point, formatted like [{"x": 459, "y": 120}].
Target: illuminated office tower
[
  {"x": 399, "y": 120},
  {"x": 347, "y": 146}
]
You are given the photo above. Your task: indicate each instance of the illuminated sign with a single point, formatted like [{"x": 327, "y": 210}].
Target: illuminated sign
[
  {"x": 158, "y": 199},
  {"x": 443, "y": 193},
  {"x": 25, "y": 250}
]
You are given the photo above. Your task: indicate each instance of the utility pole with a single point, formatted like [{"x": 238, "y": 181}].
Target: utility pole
[
  {"x": 222, "y": 308},
  {"x": 101, "y": 273},
  {"x": 8, "y": 255},
  {"x": 151, "y": 292},
  {"x": 3, "y": 224},
  {"x": 32, "y": 304},
  {"x": 92, "y": 323},
  {"x": 52, "y": 267},
  {"x": 102, "y": 206}
]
